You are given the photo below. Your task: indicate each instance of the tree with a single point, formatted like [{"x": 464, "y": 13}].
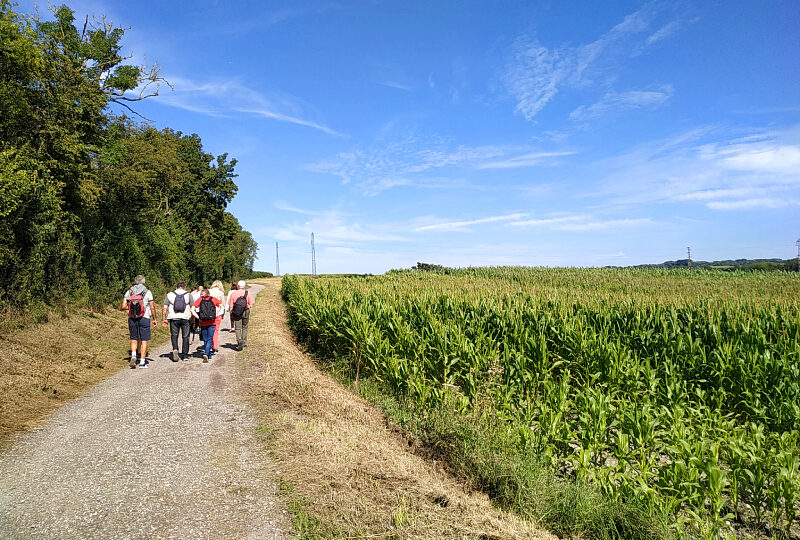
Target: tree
[{"x": 87, "y": 197}]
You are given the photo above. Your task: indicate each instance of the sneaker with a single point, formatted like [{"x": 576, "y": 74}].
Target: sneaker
[
  {"x": 133, "y": 361},
  {"x": 175, "y": 356},
  {"x": 205, "y": 359},
  {"x": 239, "y": 347},
  {"x": 143, "y": 364}
]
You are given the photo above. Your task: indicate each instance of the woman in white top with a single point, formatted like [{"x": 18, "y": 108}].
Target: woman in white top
[{"x": 217, "y": 291}]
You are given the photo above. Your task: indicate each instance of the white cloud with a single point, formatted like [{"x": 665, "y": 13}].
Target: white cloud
[
  {"x": 290, "y": 119},
  {"x": 408, "y": 162},
  {"x": 463, "y": 226},
  {"x": 602, "y": 225},
  {"x": 780, "y": 159},
  {"x": 331, "y": 227},
  {"x": 580, "y": 223},
  {"x": 615, "y": 102},
  {"x": 532, "y": 159},
  {"x": 720, "y": 170},
  {"x": 286, "y": 207},
  {"x": 536, "y": 74},
  {"x": 544, "y": 222},
  {"x": 226, "y": 98},
  {"x": 395, "y": 84},
  {"x": 747, "y": 204}
]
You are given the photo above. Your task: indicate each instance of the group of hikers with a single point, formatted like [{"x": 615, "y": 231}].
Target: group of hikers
[{"x": 186, "y": 313}]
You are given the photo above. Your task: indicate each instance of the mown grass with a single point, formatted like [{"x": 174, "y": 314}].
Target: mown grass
[
  {"x": 57, "y": 358},
  {"x": 345, "y": 472}
]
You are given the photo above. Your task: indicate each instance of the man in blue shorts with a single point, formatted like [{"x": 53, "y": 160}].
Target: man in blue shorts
[{"x": 138, "y": 302}]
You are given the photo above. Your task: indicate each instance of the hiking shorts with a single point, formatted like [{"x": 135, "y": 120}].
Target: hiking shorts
[{"x": 139, "y": 328}]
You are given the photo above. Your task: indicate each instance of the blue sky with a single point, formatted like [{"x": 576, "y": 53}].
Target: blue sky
[{"x": 488, "y": 133}]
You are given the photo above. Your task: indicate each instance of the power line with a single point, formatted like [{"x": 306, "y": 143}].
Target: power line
[{"x": 313, "y": 257}]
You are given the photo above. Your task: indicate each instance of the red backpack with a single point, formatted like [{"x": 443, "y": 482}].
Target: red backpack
[{"x": 136, "y": 306}]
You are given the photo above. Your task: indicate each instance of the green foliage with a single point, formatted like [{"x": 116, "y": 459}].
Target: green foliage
[
  {"x": 257, "y": 274},
  {"x": 89, "y": 200},
  {"x": 673, "y": 391}
]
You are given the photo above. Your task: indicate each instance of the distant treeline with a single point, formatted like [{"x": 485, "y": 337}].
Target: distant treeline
[
  {"x": 88, "y": 199},
  {"x": 789, "y": 265}
]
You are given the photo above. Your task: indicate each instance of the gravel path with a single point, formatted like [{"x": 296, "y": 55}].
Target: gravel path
[{"x": 166, "y": 452}]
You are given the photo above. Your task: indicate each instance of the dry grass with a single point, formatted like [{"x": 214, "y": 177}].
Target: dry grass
[
  {"x": 46, "y": 364},
  {"x": 345, "y": 471}
]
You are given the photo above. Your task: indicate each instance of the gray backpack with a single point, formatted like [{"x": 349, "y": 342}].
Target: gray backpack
[{"x": 179, "y": 305}]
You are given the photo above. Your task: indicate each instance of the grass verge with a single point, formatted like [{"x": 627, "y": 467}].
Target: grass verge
[
  {"x": 45, "y": 364},
  {"x": 345, "y": 471},
  {"x": 486, "y": 455}
]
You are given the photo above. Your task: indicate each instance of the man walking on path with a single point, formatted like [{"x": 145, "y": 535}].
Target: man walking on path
[
  {"x": 207, "y": 309},
  {"x": 177, "y": 309},
  {"x": 239, "y": 304},
  {"x": 138, "y": 302}
]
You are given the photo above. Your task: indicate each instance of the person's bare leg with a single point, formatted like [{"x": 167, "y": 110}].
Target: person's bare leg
[
  {"x": 134, "y": 346},
  {"x": 144, "y": 349}
]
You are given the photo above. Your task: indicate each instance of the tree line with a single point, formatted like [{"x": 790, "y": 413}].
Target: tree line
[{"x": 90, "y": 198}]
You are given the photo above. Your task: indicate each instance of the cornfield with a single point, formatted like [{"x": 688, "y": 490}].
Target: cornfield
[{"x": 677, "y": 390}]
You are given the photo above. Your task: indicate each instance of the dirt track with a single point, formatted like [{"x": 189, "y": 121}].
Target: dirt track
[
  {"x": 183, "y": 451},
  {"x": 166, "y": 452}
]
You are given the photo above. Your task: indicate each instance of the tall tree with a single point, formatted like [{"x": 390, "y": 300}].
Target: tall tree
[{"x": 87, "y": 197}]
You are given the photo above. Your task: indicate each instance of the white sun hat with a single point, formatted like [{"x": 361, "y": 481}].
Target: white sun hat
[{"x": 241, "y": 284}]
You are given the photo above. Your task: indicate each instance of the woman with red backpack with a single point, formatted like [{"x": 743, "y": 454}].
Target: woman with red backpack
[
  {"x": 217, "y": 290},
  {"x": 207, "y": 309}
]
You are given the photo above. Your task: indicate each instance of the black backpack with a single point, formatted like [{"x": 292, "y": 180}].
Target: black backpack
[
  {"x": 179, "y": 304},
  {"x": 239, "y": 306},
  {"x": 207, "y": 311}
]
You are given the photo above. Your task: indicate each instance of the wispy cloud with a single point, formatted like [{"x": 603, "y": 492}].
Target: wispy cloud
[
  {"x": 757, "y": 170},
  {"x": 580, "y": 223},
  {"x": 598, "y": 225},
  {"x": 286, "y": 207},
  {"x": 614, "y": 102},
  {"x": 535, "y": 73},
  {"x": 547, "y": 222},
  {"x": 410, "y": 162},
  {"x": 333, "y": 227},
  {"x": 229, "y": 98},
  {"x": 464, "y": 226},
  {"x": 765, "y": 158},
  {"x": 290, "y": 119},
  {"x": 395, "y": 84},
  {"x": 747, "y": 204},
  {"x": 532, "y": 159}
]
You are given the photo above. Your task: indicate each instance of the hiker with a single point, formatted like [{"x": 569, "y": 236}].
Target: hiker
[
  {"x": 177, "y": 309},
  {"x": 217, "y": 290},
  {"x": 208, "y": 310},
  {"x": 196, "y": 292},
  {"x": 138, "y": 302},
  {"x": 234, "y": 287},
  {"x": 239, "y": 304}
]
